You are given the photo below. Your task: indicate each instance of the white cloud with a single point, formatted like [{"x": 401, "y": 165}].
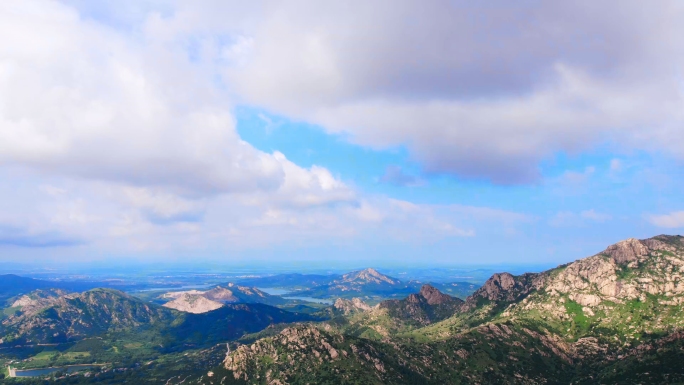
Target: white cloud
[
  {"x": 672, "y": 220},
  {"x": 475, "y": 99},
  {"x": 570, "y": 218},
  {"x": 485, "y": 100},
  {"x": 80, "y": 99}
]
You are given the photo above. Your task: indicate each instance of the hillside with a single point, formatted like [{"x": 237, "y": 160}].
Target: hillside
[
  {"x": 229, "y": 323},
  {"x": 75, "y": 316},
  {"x": 614, "y": 317}
]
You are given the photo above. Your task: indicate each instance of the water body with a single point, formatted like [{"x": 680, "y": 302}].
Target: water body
[
  {"x": 284, "y": 293},
  {"x": 312, "y": 299},
  {"x": 176, "y": 288},
  {"x": 274, "y": 291},
  {"x": 47, "y": 371}
]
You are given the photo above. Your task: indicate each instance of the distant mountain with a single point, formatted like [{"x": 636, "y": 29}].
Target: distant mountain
[
  {"x": 196, "y": 301},
  {"x": 75, "y": 316},
  {"x": 12, "y": 285},
  {"x": 50, "y": 316},
  {"x": 615, "y": 317},
  {"x": 367, "y": 282},
  {"x": 193, "y": 303},
  {"x": 370, "y": 283}
]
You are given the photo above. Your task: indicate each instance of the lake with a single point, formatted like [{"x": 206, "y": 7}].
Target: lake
[
  {"x": 284, "y": 293},
  {"x": 45, "y": 371},
  {"x": 311, "y": 299},
  {"x": 274, "y": 291}
]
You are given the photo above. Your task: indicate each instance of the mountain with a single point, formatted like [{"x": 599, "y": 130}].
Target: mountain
[
  {"x": 229, "y": 322},
  {"x": 75, "y": 316},
  {"x": 614, "y": 317},
  {"x": 368, "y": 282},
  {"x": 349, "y": 306},
  {"x": 12, "y": 285},
  {"x": 193, "y": 303},
  {"x": 53, "y": 316},
  {"x": 424, "y": 308},
  {"x": 196, "y": 301}
]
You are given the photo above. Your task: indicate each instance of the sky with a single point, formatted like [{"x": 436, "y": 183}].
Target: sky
[{"x": 381, "y": 133}]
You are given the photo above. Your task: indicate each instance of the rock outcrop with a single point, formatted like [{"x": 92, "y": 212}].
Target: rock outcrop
[
  {"x": 346, "y": 306},
  {"x": 195, "y": 300},
  {"x": 423, "y": 308},
  {"x": 193, "y": 303}
]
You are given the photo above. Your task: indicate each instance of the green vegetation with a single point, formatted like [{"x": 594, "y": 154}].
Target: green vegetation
[{"x": 596, "y": 320}]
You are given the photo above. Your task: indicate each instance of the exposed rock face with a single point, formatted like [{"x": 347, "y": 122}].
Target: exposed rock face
[
  {"x": 191, "y": 300},
  {"x": 424, "y": 308},
  {"x": 434, "y": 296},
  {"x": 74, "y": 316},
  {"x": 576, "y": 323},
  {"x": 221, "y": 294},
  {"x": 300, "y": 349},
  {"x": 504, "y": 287},
  {"x": 368, "y": 276},
  {"x": 626, "y": 270},
  {"x": 193, "y": 303},
  {"x": 178, "y": 294},
  {"x": 354, "y": 305},
  {"x": 38, "y": 300},
  {"x": 627, "y": 251}
]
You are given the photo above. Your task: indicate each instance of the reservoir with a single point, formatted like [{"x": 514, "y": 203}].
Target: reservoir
[{"x": 46, "y": 371}]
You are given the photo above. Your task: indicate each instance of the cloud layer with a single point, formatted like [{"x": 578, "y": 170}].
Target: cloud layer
[
  {"x": 117, "y": 130},
  {"x": 482, "y": 91}
]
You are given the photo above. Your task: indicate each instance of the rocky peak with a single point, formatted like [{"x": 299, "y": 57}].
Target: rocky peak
[
  {"x": 369, "y": 275},
  {"x": 221, "y": 294},
  {"x": 627, "y": 251},
  {"x": 505, "y": 287},
  {"x": 192, "y": 303},
  {"x": 433, "y": 296},
  {"x": 349, "y": 306}
]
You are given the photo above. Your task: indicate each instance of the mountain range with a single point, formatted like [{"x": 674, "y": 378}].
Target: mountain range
[
  {"x": 367, "y": 283},
  {"x": 614, "y": 317}
]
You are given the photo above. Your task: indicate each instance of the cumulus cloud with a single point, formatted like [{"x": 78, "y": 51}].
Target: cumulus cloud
[
  {"x": 478, "y": 91},
  {"x": 672, "y": 220},
  {"x": 78, "y": 98}
]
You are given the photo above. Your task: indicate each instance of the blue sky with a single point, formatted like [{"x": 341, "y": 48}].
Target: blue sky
[{"x": 387, "y": 133}]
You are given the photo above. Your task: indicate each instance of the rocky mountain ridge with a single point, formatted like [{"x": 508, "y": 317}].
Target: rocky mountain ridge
[
  {"x": 576, "y": 323},
  {"x": 197, "y": 301},
  {"x": 74, "y": 316}
]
